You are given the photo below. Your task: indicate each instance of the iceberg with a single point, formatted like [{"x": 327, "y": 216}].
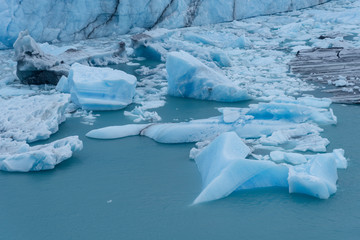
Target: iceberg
[
  {"x": 293, "y": 110},
  {"x": 20, "y": 157},
  {"x": 188, "y": 77},
  {"x": 296, "y": 158},
  {"x": 47, "y": 64},
  {"x": 33, "y": 65},
  {"x": 224, "y": 169},
  {"x": 32, "y": 118},
  {"x": 114, "y": 132},
  {"x": 94, "y": 88},
  {"x": 317, "y": 178},
  {"x": 185, "y": 132}
]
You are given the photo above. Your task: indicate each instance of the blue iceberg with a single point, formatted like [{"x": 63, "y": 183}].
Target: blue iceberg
[
  {"x": 224, "y": 169},
  {"x": 95, "y": 88},
  {"x": 188, "y": 77}
]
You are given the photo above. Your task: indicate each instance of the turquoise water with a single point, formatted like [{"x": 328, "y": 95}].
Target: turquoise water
[{"x": 135, "y": 188}]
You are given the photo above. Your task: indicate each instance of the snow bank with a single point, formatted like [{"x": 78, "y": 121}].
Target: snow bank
[
  {"x": 95, "y": 88},
  {"x": 20, "y": 157},
  {"x": 188, "y": 77}
]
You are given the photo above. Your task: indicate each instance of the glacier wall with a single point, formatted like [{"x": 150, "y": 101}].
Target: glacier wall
[{"x": 67, "y": 20}]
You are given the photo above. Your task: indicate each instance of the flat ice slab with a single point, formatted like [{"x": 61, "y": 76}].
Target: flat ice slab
[
  {"x": 188, "y": 77},
  {"x": 94, "y": 88},
  {"x": 33, "y": 118},
  {"x": 20, "y": 157}
]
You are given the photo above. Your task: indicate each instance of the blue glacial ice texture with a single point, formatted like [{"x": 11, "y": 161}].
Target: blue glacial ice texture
[
  {"x": 224, "y": 169},
  {"x": 71, "y": 20},
  {"x": 95, "y": 88},
  {"x": 188, "y": 77},
  {"x": 20, "y": 157}
]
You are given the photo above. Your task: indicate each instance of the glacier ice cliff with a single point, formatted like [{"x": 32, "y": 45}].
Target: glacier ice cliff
[{"x": 71, "y": 20}]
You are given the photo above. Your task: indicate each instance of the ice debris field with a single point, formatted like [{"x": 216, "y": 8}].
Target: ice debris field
[{"x": 273, "y": 142}]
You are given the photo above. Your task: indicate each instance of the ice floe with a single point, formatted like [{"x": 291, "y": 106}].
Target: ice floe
[
  {"x": 18, "y": 156},
  {"x": 32, "y": 118}
]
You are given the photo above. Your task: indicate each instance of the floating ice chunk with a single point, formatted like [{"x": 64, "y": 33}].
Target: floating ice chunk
[
  {"x": 33, "y": 65},
  {"x": 286, "y": 157},
  {"x": 340, "y": 83},
  {"x": 299, "y": 137},
  {"x": 296, "y": 158},
  {"x": 337, "y": 155},
  {"x": 32, "y": 118},
  {"x": 291, "y": 111},
  {"x": 315, "y": 102},
  {"x": 185, "y": 132},
  {"x": 294, "y": 131},
  {"x": 220, "y": 58},
  {"x": 231, "y": 115},
  {"x": 139, "y": 114},
  {"x": 95, "y": 88},
  {"x": 63, "y": 85},
  {"x": 312, "y": 142},
  {"x": 199, "y": 146},
  {"x": 20, "y": 157},
  {"x": 188, "y": 77},
  {"x": 241, "y": 42},
  {"x": 224, "y": 169},
  {"x": 316, "y": 178},
  {"x": 117, "y": 131}
]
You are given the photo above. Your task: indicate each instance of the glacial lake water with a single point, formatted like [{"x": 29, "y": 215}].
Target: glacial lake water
[{"x": 135, "y": 188}]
